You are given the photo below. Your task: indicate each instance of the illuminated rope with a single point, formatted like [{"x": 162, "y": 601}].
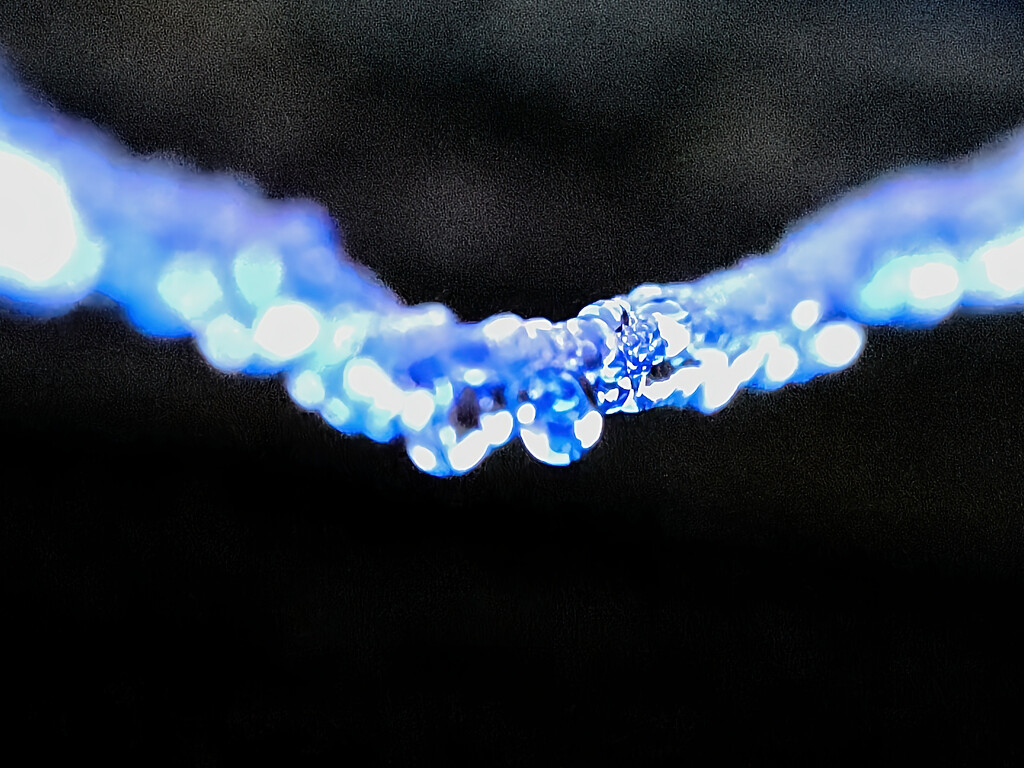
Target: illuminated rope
[{"x": 263, "y": 288}]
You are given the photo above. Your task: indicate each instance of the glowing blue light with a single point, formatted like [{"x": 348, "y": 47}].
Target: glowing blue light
[
  {"x": 226, "y": 343},
  {"x": 258, "y": 273},
  {"x": 264, "y": 288},
  {"x": 307, "y": 389},
  {"x": 189, "y": 288},
  {"x": 916, "y": 287},
  {"x": 336, "y": 413}
]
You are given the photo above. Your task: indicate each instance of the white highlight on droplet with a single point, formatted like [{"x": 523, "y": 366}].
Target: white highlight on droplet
[
  {"x": 469, "y": 451},
  {"x": 363, "y": 376},
  {"x": 365, "y": 379},
  {"x": 926, "y": 285},
  {"x": 539, "y": 446},
  {"x": 838, "y": 344},
  {"x": 343, "y": 334},
  {"x": 805, "y": 314},
  {"x": 346, "y": 339},
  {"x": 719, "y": 382},
  {"x": 526, "y": 413},
  {"x": 336, "y": 413},
  {"x": 287, "y": 330},
  {"x": 418, "y": 409},
  {"x": 37, "y": 221},
  {"x": 1004, "y": 266},
  {"x": 307, "y": 389},
  {"x": 657, "y": 391},
  {"x": 444, "y": 393},
  {"x": 431, "y": 314},
  {"x": 475, "y": 377},
  {"x": 497, "y": 427},
  {"x": 687, "y": 380},
  {"x": 610, "y": 396},
  {"x": 189, "y": 287},
  {"x": 645, "y": 292},
  {"x": 423, "y": 458},
  {"x": 258, "y": 273},
  {"x": 588, "y": 429},
  {"x": 447, "y": 435},
  {"x": 933, "y": 280},
  {"x": 748, "y": 362},
  {"x": 782, "y": 363},
  {"x": 501, "y": 327},
  {"x": 676, "y": 335},
  {"x": 226, "y": 342},
  {"x": 536, "y": 326}
]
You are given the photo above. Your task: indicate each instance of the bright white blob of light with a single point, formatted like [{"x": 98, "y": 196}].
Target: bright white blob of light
[
  {"x": 418, "y": 409},
  {"x": 537, "y": 442},
  {"x": 287, "y": 330},
  {"x": 526, "y": 413},
  {"x": 588, "y": 429},
  {"x": 676, "y": 335},
  {"x": 720, "y": 383},
  {"x": 805, "y": 314},
  {"x": 39, "y": 241},
  {"x": 368, "y": 381},
  {"x": 923, "y": 285},
  {"x": 497, "y": 427},
  {"x": 469, "y": 451},
  {"x": 838, "y": 344},
  {"x": 933, "y": 280},
  {"x": 1003, "y": 265},
  {"x": 423, "y": 458},
  {"x": 781, "y": 365}
]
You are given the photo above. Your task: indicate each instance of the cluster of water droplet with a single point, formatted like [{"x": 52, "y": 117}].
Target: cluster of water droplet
[{"x": 264, "y": 288}]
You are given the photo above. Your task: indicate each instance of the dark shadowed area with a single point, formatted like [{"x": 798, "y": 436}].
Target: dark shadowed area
[{"x": 196, "y": 571}]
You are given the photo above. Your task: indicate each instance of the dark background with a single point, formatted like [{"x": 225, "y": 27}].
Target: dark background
[{"x": 195, "y": 570}]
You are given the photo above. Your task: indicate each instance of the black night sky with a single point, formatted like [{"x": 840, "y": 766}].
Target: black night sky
[{"x": 197, "y": 572}]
